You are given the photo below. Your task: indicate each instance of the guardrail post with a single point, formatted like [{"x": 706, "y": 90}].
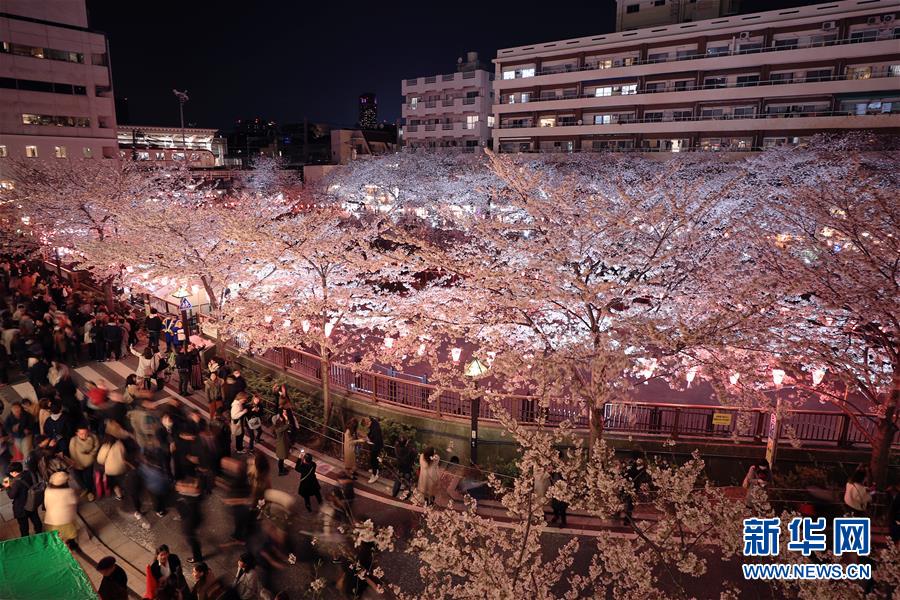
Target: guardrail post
[
  {"x": 843, "y": 436},
  {"x": 761, "y": 419},
  {"x": 375, "y": 388},
  {"x": 675, "y": 424}
]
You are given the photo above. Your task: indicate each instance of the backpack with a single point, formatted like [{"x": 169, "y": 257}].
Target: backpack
[{"x": 35, "y": 495}]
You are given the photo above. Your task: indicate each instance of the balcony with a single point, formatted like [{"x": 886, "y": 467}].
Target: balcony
[
  {"x": 811, "y": 51},
  {"x": 645, "y": 95},
  {"x": 446, "y": 126},
  {"x": 727, "y": 122}
]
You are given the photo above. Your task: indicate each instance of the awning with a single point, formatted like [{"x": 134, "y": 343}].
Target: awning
[{"x": 40, "y": 567}]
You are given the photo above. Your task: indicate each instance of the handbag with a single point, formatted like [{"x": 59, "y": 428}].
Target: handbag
[{"x": 254, "y": 423}]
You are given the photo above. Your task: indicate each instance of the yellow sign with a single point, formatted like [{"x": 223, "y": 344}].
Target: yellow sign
[{"x": 721, "y": 418}]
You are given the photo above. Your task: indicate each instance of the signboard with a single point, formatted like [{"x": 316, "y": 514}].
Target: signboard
[
  {"x": 185, "y": 304},
  {"x": 772, "y": 440},
  {"x": 721, "y": 419}
]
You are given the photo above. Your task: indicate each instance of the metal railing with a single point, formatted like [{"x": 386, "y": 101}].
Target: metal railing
[
  {"x": 663, "y": 420},
  {"x": 691, "y": 86},
  {"x": 596, "y": 66}
]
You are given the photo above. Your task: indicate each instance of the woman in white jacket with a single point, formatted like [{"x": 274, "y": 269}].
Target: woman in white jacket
[
  {"x": 61, "y": 505},
  {"x": 429, "y": 473},
  {"x": 148, "y": 363},
  {"x": 112, "y": 456}
]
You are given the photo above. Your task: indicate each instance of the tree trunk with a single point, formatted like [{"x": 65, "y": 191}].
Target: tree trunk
[
  {"x": 108, "y": 293},
  {"x": 883, "y": 436},
  {"x": 213, "y": 301},
  {"x": 596, "y": 424}
]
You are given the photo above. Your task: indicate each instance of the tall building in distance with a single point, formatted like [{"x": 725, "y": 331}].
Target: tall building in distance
[
  {"x": 368, "y": 111},
  {"x": 56, "y": 96},
  {"x": 735, "y": 83},
  {"x": 637, "y": 14},
  {"x": 450, "y": 110}
]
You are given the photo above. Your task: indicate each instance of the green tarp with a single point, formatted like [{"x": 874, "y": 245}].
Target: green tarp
[{"x": 40, "y": 567}]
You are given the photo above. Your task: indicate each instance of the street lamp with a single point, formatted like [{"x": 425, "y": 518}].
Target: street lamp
[
  {"x": 182, "y": 98},
  {"x": 774, "y": 424},
  {"x": 474, "y": 370}
]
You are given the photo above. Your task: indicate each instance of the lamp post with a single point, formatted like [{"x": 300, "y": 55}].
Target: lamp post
[
  {"x": 184, "y": 305},
  {"x": 475, "y": 369},
  {"x": 774, "y": 420},
  {"x": 182, "y": 98}
]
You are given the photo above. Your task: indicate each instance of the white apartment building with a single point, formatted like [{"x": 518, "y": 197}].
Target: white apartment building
[
  {"x": 732, "y": 83},
  {"x": 160, "y": 146},
  {"x": 452, "y": 110},
  {"x": 56, "y": 97}
]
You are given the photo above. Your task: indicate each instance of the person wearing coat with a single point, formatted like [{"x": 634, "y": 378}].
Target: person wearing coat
[
  {"x": 17, "y": 484},
  {"x": 112, "y": 457},
  {"x": 309, "y": 483},
  {"x": 246, "y": 581},
  {"x": 83, "y": 449},
  {"x": 61, "y": 506},
  {"x": 238, "y": 412},
  {"x": 350, "y": 443},
  {"x": 163, "y": 572},
  {"x": 429, "y": 473},
  {"x": 148, "y": 365},
  {"x": 213, "y": 388},
  {"x": 281, "y": 428}
]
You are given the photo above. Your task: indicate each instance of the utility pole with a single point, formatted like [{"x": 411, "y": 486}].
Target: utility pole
[{"x": 182, "y": 98}]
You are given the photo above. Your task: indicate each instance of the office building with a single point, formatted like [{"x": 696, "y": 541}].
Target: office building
[
  {"x": 368, "y": 111},
  {"x": 56, "y": 96},
  {"x": 451, "y": 110},
  {"x": 733, "y": 83}
]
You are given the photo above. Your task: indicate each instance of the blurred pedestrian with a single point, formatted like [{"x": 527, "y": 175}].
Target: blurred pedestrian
[
  {"x": 114, "y": 585},
  {"x": 281, "y": 429},
  {"x": 376, "y": 444},
  {"x": 309, "y": 483},
  {"x": 429, "y": 474}
]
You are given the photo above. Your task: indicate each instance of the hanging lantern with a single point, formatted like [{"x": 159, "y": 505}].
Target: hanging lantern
[
  {"x": 328, "y": 328},
  {"x": 388, "y": 342},
  {"x": 305, "y": 325},
  {"x": 733, "y": 378},
  {"x": 777, "y": 376},
  {"x": 421, "y": 350},
  {"x": 817, "y": 376},
  {"x": 456, "y": 353},
  {"x": 268, "y": 318},
  {"x": 691, "y": 374},
  {"x": 286, "y": 324}
]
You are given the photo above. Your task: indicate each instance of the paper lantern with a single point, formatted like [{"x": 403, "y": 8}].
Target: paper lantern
[
  {"x": 733, "y": 378},
  {"x": 456, "y": 353},
  {"x": 777, "y": 376},
  {"x": 818, "y": 375},
  {"x": 388, "y": 342},
  {"x": 305, "y": 325},
  {"x": 328, "y": 327}
]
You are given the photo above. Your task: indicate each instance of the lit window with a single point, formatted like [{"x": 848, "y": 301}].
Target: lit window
[
  {"x": 509, "y": 74},
  {"x": 627, "y": 90},
  {"x": 602, "y": 119},
  {"x": 471, "y": 121},
  {"x": 413, "y": 103},
  {"x": 160, "y": 156},
  {"x": 31, "y": 151},
  {"x": 490, "y": 121},
  {"x": 547, "y": 122},
  {"x": 529, "y": 72},
  {"x": 87, "y": 152},
  {"x": 178, "y": 156},
  {"x": 59, "y": 151},
  {"x": 603, "y": 91},
  {"x": 143, "y": 155},
  {"x": 3, "y": 152}
]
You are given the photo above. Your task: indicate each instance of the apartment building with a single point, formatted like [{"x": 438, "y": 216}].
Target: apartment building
[
  {"x": 635, "y": 14},
  {"x": 56, "y": 96},
  {"x": 734, "y": 83},
  {"x": 451, "y": 110}
]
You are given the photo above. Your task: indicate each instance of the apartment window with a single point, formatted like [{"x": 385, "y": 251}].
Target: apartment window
[
  {"x": 526, "y": 96},
  {"x": 529, "y": 72},
  {"x": 547, "y": 122},
  {"x": 659, "y": 57},
  {"x": 602, "y": 119},
  {"x": 747, "y": 80},
  {"x": 3, "y": 152},
  {"x": 751, "y": 47},
  {"x": 790, "y": 43},
  {"x": 859, "y": 72},
  {"x": 715, "y": 82},
  {"x": 87, "y": 152},
  {"x": 656, "y": 86},
  {"x": 142, "y": 155},
  {"x": 742, "y": 112},
  {"x": 509, "y": 74},
  {"x": 471, "y": 121},
  {"x": 31, "y": 151},
  {"x": 413, "y": 103},
  {"x": 629, "y": 89},
  {"x": 868, "y": 35},
  {"x": 59, "y": 151},
  {"x": 632, "y": 8},
  {"x": 716, "y": 50},
  {"x": 818, "y": 75},
  {"x": 659, "y": 2},
  {"x": 681, "y": 86},
  {"x": 653, "y": 117},
  {"x": 490, "y": 121},
  {"x": 781, "y": 78},
  {"x": 682, "y": 54},
  {"x": 712, "y": 113},
  {"x": 99, "y": 59},
  {"x": 603, "y": 91},
  {"x": 894, "y": 71},
  {"x": 681, "y": 115}
]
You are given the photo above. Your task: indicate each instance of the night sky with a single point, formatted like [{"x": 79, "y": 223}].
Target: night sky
[{"x": 289, "y": 59}]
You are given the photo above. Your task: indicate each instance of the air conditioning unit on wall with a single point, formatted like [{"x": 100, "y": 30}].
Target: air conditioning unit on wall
[
  {"x": 829, "y": 25},
  {"x": 744, "y": 35},
  {"x": 873, "y": 20}
]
